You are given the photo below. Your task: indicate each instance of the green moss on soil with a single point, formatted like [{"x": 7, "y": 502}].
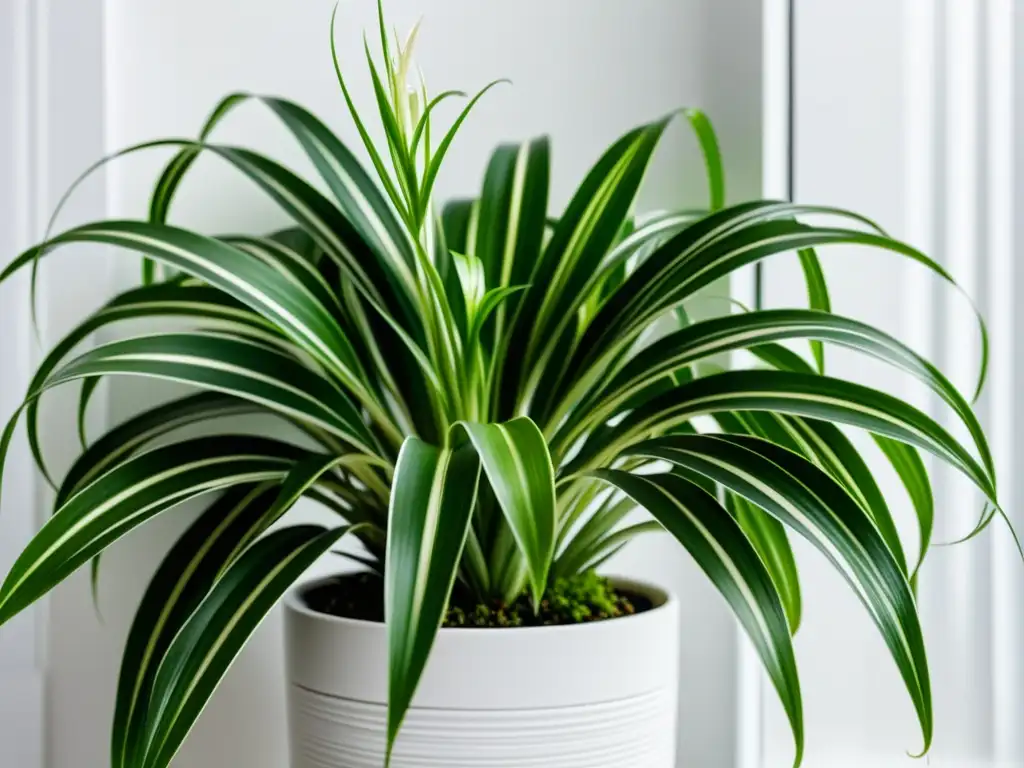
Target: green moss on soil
[{"x": 574, "y": 600}]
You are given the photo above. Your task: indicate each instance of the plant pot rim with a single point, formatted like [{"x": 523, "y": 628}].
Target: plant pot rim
[{"x": 661, "y": 599}]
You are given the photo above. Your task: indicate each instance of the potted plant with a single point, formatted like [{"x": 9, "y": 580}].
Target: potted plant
[{"x": 484, "y": 395}]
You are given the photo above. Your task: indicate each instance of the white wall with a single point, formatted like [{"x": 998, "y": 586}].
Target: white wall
[
  {"x": 903, "y": 111},
  {"x": 583, "y": 71},
  {"x": 21, "y": 713}
]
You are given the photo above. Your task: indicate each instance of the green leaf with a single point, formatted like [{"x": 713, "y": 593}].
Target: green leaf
[
  {"x": 814, "y": 504},
  {"x": 422, "y": 129},
  {"x": 768, "y": 537},
  {"x": 368, "y": 143},
  {"x": 166, "y": 300},
  {"x": 905, "y": 459},
  {"x": 609, "y": 513},
  {"x": 471, "y": 276},
  {"x": 712, "y": 156},
  {"x": 837, "y": 456},
  {"x": 756, "y": 329},
  {"x": 712, "y": 248},
  {"x": 796, "y": 394},
  {"x": 367, "y": 241},
  {"x": 824, "y": 444},
  {"x": 174, "y": 172},
  {"x": 457, "y": 222},
  {"x": 609, "y": 543},
  {"x": 722, "y": 551},
  {"x": 509, "y": 233},
  {"x": 817, "y": 296},
  {"x": 128, "y": 495},
  {"x": 233, "y": 366},
  {"x": 914, "y": 476},
  {"x": 128, "y": 437},
  {"x": 430, "y": 177},
  {"x": 580, "y": 240},
  {"x": 432, "y": 499},
  {"x": 206, "y": 646},
  {"x": 518, "y": 467},
  {"x": 185, "y": 577},
  {"x": 233, "y": 271},
  {"x": 401, "y": 160}
]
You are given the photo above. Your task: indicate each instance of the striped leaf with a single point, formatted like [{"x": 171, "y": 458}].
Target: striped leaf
[
  {"x": 578, "y": 244},
  {"x": 914, "y": 476},
  {"x": 509, "y": 231},
  {"x": 599, "y": 534},
  {"x": 455, "y": 236},
  {"x": 800, "y": 395},
  {"x": 734, "y": 332},
  {"x": 128, "y": 495},
  {"x": 186, "y": 575},
  {"x": 211, "y": 306},
  {"x": 817, "y": 296},
  {"x": 433, "y": 494},
  {"x": 366, "y": 240},
  {"x": 208, "y": 643},
  {"x": 518, "y": 468},
  {"x": 352, "y": 324},
  {"x": 240, "y": 367},
  {"x": 135, "y": 433},
  {"x": 905, "y": 460},
  {"x": 824, "y": 444},
  {"x": 768, "y": 537},
  {"x": 231, "y": 270},
  {"x": 815, "y": 505},
  {"x": 430, "y": 177},
  {"x": 718, "y": 245},
  {"x": 718, "y": 545}
]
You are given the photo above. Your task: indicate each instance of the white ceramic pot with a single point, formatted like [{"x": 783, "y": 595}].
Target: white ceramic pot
[{"x": 598, "y": 695}]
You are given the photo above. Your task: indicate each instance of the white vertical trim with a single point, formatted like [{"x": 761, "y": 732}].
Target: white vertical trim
[
  {"x": 776, "y": 183},
  {"x": 776, "y": 99},
  {"x": 960, "y": 66},
  {"x": 1003, "y": 25},
  {"x": 52, "y": 115},
  {"x": 21, "y": 647},
  {"x": 919, "y": 140}
]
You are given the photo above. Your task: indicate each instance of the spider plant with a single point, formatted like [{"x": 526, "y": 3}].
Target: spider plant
[{"x": 483, "y": 394}]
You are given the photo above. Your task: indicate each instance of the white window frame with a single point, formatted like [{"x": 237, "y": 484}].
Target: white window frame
[
  {"x": 961, "y": 64},
  {"x": 52, "y": 124}
]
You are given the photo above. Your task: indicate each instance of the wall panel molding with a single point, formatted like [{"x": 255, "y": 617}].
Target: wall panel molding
[
  {"x": 21, "y": 641},
  {"x": 920, "y": 129},
  {"x": 51, "y": 128}
]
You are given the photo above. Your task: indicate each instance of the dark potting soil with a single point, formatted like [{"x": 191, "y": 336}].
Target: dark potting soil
[{"x": 574, "y": 600}]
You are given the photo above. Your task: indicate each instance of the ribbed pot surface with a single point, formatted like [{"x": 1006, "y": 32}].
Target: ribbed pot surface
[{"x": 599, "y": 695}]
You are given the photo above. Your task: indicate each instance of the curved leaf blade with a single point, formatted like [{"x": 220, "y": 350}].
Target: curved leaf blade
[
  {"x": 757, "y": 329},
  {"x": 817, "y": 296},
  {"x": 914, "y": 476},
  {"x": 127, "y": 438},
  {"x": 185, "y": 577},
  {"x": 797, "y": 394},
  {"x": 206, "y": 646},
  {"x": 128, "y": 495},
  {"x": 817, "y": 506},
  {"x": 696, "y": 519},
  {"x": 518, "y": 467},
  {"x": 433, "y": 494},
  {"x": 234, "y": 366},
  {"x": 768, "y": 537}
]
